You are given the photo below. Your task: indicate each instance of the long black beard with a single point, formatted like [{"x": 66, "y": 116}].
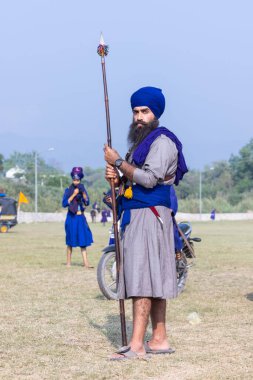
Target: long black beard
[{"x": 137, "y": 134}]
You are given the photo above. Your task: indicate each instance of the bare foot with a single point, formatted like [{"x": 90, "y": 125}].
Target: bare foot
[
  {"x": 127, "y": 353},
  {"x": 155, "y": 345}
]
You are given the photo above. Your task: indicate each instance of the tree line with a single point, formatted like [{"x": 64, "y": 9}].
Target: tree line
[{"x": 226, "y": 186}]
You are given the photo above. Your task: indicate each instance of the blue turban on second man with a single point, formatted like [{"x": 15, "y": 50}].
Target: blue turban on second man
[
  {"x": 77, "y": 173},
  {"x": 150, "y": 97}
]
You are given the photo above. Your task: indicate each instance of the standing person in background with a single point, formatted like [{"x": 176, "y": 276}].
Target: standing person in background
[
  {"x": 108, "y": 213},
  {"x": 104, "y": 216},
  {"x": 95, "y": 205},
  {"x": 212, "y": 216},
  {"x": 93, "y": 215},
  {"x": 78, "y": 233}
]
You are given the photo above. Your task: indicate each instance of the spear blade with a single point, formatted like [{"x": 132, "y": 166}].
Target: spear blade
[
  {"x": 102, "y": 48},
  {"x": 102, "y": 41}
]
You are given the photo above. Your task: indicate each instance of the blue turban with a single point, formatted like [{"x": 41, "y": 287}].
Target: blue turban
[
  {"x": 77, "y": 173},
  {"x": 150, "y": 97}
]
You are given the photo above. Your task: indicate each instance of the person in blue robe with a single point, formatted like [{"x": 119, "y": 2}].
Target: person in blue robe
[
  {"x": 78, "y": 233},
  {"x": 212, "y": 215},
  {"x": 104, "y": 216}
]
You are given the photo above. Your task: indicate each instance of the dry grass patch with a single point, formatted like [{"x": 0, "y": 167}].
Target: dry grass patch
[{"x": 55, "y": 324}]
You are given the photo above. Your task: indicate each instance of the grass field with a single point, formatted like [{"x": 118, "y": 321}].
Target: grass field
[{"x": 55, "y": 324}]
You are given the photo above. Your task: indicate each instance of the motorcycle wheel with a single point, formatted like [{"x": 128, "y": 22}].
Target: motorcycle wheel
[{"x": 106, "y": 275}]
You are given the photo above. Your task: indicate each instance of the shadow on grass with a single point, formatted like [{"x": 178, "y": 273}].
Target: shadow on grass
[
  {"x": 100, "y": 297},
  {"x": 75, "y": 265},
  {"x": 249, "y": 296},
  {"x": 112, "y": 328}
]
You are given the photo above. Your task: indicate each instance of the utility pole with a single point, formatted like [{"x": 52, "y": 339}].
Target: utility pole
[
  {"x": 36, "y": 181},
  {"x": 200, "y": 195}
]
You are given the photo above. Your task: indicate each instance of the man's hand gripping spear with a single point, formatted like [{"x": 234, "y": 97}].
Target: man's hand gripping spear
[{"x": 102, "y": 51}]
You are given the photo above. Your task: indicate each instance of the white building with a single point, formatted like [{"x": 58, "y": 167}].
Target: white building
[{"x": 13, "y": 172}]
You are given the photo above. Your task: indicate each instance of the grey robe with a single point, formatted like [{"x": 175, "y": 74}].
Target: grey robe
[{"x": 147, "y": 250}]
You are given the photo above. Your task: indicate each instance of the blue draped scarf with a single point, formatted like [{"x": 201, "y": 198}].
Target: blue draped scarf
[
  {"x": 143, "y": 198},
  {"x": 142, "y": 151}
]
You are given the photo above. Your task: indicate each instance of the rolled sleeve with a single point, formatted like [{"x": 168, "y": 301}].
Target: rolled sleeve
[
  {"x": 144, "y": 178},
  {"x": 160, "y": 161}
]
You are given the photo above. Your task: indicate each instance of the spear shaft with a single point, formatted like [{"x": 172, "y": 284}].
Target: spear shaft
[
  {"x": 108, "y": 124},
  {"x": 102, "y": 51}
]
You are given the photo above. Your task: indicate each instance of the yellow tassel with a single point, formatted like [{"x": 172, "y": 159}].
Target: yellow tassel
[{"x": 128, "y": 193}]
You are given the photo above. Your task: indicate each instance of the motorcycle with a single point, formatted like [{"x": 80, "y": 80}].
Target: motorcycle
[{"x": 184, "y": 254}]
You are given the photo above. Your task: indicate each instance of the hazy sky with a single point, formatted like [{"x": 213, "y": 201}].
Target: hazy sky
[{"x": 199, "y": 52}]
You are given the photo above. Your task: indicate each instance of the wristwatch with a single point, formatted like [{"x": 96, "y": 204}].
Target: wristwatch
[{"x": 118, "y": 162}]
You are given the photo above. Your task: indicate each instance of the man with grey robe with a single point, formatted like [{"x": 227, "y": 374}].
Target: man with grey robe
[{"x": 148, "y": 276}]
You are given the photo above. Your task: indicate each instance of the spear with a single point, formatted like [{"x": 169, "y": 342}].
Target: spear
[{"x": 102, "y": 51}]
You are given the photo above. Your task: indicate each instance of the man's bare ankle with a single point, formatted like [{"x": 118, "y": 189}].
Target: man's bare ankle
[
  {"x": 137, "y": 347},
  {"x": 159, "y": 342}
]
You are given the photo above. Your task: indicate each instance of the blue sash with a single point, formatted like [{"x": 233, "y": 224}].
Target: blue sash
[
  {"x": 143, "y": 198},
  {"x": 143, "y": 148}
]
